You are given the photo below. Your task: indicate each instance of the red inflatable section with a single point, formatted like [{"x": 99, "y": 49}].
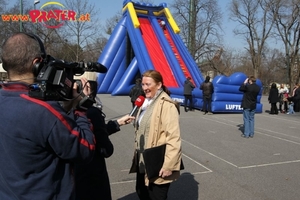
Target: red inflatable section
[
  {"x": 156, "y": 53},
  {"x": 177, "y": 54}
]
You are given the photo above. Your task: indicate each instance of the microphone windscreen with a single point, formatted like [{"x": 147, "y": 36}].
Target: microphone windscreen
[{"x": 139, "y": 101}]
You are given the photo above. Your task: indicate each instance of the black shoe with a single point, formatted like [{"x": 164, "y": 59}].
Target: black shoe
[
  {"x": 244, "y": 136},
  {"x": 251, "y": 136},
  {"x": 185, "y": 110}
]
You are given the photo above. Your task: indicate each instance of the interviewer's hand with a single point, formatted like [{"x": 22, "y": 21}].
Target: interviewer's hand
[
  {"x": 125, "y": 120},
  {"x": 164, "y": 173}
]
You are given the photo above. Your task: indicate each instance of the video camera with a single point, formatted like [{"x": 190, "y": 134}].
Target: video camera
[{"x": 55, "y": 80}]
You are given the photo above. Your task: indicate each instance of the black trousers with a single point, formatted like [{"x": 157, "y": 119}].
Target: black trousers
[
  {"x": 274, "y": 109},
  {"x": 285, "y": 106},
  {"x": 207, "y": 104},
  {"x": 153, "y": 191},
  {"x": 158, "y": 192},
  {"x": 190, "y": 99}
]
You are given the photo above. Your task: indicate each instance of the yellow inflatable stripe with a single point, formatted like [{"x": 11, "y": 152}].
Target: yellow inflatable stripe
[
  {"x": 145, "y": 12},
  {"x": 132, "y": 14},
  {"x": 171, "y": 21}
]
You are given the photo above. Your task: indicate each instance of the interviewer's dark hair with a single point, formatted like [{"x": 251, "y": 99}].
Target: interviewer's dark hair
[
  {"x": 157, "y": 77},
  {"x": 18, "y": 52}
]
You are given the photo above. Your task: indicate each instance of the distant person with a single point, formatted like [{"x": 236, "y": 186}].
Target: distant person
[
  {"x": 283, "y": 94},
  {"x": 273, "y": 99},
  {"x": 187, "y": 92},
  {"x": 293, "y": 99},
  {"x": 296, "y": 98},
  {"x": 251, "y": 91},
  {"x": 207, "y": 88},
  {"x": 136, "y": 91},
  {"x": 163, "y": 24},
  {"x": 291, "y": 107}
]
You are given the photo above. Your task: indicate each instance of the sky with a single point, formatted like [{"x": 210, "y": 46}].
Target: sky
[{"x": 109, "y": 8}]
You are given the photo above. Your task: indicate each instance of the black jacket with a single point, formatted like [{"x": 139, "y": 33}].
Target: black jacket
[
  {"x": 207, "y": 89},
  {"x": 188, "y": 87},
  {"x": 92, "y": 180},
  {"x": 273, "y": 95},
  {"x": 135, "y": 92},
  {"x": 251, "y": 92}
]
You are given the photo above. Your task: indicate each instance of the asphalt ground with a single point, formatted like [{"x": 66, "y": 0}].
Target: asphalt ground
[{"x": 219, "y": 163}]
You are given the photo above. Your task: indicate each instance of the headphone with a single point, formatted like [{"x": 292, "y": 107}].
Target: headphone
[{"x": 38, "y": 65}]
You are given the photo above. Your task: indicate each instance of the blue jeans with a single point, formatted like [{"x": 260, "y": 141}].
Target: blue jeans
[
  {"x": 248, "y": 116},
  {"x": 291, "y": 108}
]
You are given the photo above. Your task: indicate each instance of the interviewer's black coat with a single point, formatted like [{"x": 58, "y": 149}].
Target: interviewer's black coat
[{"x": 91, "y": 180}]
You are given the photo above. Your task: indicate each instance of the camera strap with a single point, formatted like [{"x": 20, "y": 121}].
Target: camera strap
[{"x": 85, "y": 103}]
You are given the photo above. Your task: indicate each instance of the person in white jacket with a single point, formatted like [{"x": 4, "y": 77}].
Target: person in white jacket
[{"x": 283, "y": 94}]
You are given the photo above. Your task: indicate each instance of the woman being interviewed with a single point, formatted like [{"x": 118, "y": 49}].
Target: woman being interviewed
[{"x": 157, "y": 123}]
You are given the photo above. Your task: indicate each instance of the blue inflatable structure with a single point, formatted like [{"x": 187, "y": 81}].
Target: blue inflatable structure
[{"x": 140, "y": 42}]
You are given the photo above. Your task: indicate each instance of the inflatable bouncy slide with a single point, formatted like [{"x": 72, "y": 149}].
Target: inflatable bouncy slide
[{"x": 147, "y": 37}]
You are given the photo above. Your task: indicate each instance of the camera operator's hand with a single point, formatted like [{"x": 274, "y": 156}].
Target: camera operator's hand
[
  {"x": 78, "y": 96},
  {"x": 86, "y": 89}
]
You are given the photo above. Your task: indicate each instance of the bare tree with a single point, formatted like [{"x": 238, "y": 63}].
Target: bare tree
[
  {"x": 85, "y": 30},
  {"x": 112, "y": 22},
  {"x": 255, "y": 27},
  {"x": 200, "y": 25},
  {"x": 8, "y": 26},
  {"x": 286, "y": 15}
]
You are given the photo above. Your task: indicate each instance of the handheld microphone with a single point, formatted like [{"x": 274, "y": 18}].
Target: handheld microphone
[{"x": 138, "y": 103}]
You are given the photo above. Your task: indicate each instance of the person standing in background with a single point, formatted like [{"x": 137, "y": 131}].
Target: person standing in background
[
  {"x": 283, "y": 94},
  {"x": 251, "y": 91},
  {"x": 296, "y": 98},
  {"x": 207, "y": 88},
  {"x": 273, "y": 99},
  {"x": 136, "y": 91},
  {"x": 187, "y": 92}
]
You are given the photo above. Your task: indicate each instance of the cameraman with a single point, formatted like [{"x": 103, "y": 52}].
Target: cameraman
[{"x": 39, "y": 141}]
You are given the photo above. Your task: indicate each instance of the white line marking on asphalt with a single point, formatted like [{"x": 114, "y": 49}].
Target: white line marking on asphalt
[
  {"x": 209, "y": 170},
  {"x": 209, "y": 153},
  {"x": 206, "y": 172},
  {"x": 122, "y": 182},
  {"x": 244, "y": 167},
  {"x": 269, "y": 164},
  {"x": 279, "y": 138}
]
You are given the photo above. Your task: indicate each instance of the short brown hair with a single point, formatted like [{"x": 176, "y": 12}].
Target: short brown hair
[
  {"x": 252, "y": 78},
  {"x": 18, "y": 52}
]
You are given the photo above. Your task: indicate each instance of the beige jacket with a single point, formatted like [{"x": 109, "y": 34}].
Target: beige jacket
[{"x": 163, "y": 128}]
